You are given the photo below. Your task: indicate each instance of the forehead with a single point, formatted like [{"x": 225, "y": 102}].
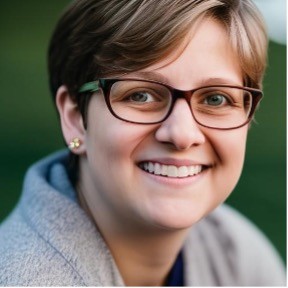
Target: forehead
[{"x": 207, "y": 58}]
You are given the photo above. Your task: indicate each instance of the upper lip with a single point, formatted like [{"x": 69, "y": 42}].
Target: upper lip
[{"x": 175, "y": 162}]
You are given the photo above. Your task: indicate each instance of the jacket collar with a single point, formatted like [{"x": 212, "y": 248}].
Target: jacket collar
[{"x": 49, "y": 205}]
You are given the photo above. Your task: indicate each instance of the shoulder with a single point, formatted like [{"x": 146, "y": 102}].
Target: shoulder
[
  {"x": 28, "y": 260},
  {"x": 239, "y": 253},
  {"x": 48, "y": 240},
  {"x": 257, "y": 261},
  {"x": 241, "y": 231}
]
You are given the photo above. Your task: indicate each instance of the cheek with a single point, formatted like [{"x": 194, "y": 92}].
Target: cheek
[
  {"x": 117, "y": 141},
  {"x": 109, "y": 136},
  {"x": 229, "y": 147},
  {"x": 111, "y": 143}
]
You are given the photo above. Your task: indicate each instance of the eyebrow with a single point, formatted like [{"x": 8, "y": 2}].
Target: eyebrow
[
  {"x": 152, "y": 75},
  {"x": 218, "y": 80},
  {"x": 148, "y": 75}
]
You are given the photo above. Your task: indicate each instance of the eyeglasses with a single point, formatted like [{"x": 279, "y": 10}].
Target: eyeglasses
[{"x": 149, "y": 102}]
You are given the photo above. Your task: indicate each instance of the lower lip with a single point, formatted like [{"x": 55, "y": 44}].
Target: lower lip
[{"x": 176, "y": 181}]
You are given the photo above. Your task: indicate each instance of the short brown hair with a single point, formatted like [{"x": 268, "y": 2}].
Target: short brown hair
[{"x": 95, "y": 39}]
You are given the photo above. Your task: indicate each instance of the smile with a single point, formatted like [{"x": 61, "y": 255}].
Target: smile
[{"x": 171, "y": 170}]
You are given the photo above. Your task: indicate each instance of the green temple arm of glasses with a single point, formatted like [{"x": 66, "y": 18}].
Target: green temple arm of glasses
[{"x": 89, "y": 87}]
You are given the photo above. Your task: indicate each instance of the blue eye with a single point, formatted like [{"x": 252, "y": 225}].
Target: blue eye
[
  {"x": 143, "y": 97},
  {"x": 215, "y": 100}
]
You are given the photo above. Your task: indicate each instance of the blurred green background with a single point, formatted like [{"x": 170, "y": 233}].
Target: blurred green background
[{"x": 29, "y": 126}]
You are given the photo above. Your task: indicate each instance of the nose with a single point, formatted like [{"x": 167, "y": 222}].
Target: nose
[{"x": 180, "y": 129}]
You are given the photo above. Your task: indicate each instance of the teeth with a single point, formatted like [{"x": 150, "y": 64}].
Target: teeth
[
  {"x": 157, "y": 169},
  {"x": 183, "y": 171},
  {"x": 171, "y": 170},
  {"x": 150, "y": 167},
  {"x": 164, "y": 170}
]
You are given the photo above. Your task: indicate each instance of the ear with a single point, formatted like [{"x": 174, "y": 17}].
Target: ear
[{"x": 71, "y": 119}]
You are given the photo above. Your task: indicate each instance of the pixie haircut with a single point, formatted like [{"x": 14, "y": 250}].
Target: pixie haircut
[
  {"x": 104, "y": 38},
  {"x": 99, "y": 38}
]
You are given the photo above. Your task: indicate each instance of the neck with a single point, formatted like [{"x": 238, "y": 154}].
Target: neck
[
  {"x": 145, "y": 260},
  {"x": 143, "y": 256}
]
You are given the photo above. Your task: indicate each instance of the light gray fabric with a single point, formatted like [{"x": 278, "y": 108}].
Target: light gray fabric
[{"x": 49, "y": 241}]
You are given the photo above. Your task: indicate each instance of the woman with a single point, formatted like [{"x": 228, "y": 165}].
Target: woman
[{"x": 155, "y": 100}]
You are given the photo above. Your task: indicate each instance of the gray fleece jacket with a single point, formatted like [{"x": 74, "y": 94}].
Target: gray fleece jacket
[{"x": 48, "y": 240}]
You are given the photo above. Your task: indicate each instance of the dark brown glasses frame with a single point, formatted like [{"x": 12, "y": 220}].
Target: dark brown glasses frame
[{"x": 106, "y": 84}]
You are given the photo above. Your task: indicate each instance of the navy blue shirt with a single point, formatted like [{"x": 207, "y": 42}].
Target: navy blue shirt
[{"x": 176, "y": 275}]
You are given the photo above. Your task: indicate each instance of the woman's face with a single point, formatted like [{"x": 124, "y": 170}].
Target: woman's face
[{"x": 115, "y": 186}]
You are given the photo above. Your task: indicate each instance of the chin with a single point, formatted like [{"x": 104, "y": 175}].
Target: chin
[{"x": 178, "y": 219}]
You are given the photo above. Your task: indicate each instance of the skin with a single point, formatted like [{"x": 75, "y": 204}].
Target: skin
[{"x": 142, "y": 216}]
